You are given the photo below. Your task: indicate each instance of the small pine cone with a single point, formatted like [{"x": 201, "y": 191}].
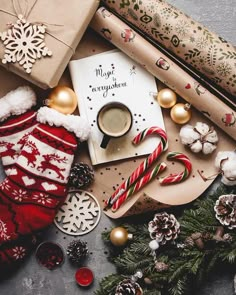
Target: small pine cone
[
  {"x": 227, "y": 238},
  {"x": 81, "y": 175},
  {"x": 128, "y": 287},
  {"x": 147, "y": 281},
  {"x": 197, "y": 238},
  {"x": 225, "y": 209},
  {"x": 164, "y": 227},
  {"x": 189, "y": 242},
  {"x": 77, "y": 251},
  {"x": 207, "y": 236},
  {"x": 161, "y": 266}
]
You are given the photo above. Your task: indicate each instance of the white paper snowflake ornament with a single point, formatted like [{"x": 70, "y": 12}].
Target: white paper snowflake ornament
[
  {"x": 24, "y": 43},
  {"x": 79, "y": 214}
]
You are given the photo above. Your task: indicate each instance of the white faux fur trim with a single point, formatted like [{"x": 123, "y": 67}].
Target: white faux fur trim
[
  {"x": 17, "y": 102},
  {"x": 72, "y": 123}
]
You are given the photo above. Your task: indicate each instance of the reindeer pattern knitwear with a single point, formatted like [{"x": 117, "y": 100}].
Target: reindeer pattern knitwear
[
  {"x": 36, "y": 184},
  {"x": 19, "y": 120}
]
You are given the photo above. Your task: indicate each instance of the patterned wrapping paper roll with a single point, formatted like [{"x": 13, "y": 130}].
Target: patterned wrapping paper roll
[
  {"x": 204, "y": 51},
  {"x": 160, "y": 66}
]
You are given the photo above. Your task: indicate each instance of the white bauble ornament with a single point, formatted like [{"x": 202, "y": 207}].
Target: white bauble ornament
[{"x": 154, "y": 245}]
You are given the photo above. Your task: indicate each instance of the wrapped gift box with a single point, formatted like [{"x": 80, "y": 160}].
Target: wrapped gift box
[{"x": 65, "y": 21}]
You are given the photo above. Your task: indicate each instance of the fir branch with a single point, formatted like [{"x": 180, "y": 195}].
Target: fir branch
[
  {"x": 129, "y": 263},
  {"x": 178, "y": 268},
  {"x": 188, "y": 267},
  {"x": 229, "y": 256},
  {"x": 212, "y": 261},
  {"x": 180, "y": 287},
  {"x": 154, "y": 292},
  {"x": 140, "y": 248},
  {"x": 108, "y": 285}
]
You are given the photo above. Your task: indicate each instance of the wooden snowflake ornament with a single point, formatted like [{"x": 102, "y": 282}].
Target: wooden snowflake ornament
[
  {"x": 24, "y": 43},
  {"x": 79, "y": 214}
]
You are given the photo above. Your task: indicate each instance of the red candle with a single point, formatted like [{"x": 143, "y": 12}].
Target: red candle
[{"x": 84, "y": 276}]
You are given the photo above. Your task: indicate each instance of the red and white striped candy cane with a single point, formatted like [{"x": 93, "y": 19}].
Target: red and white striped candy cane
[
  {"x": 177, "y": 177},
  {"x": 144, "y": 165},
  {"x": 138, "y": 185}
]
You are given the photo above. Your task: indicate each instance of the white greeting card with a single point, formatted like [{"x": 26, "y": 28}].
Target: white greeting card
[{"x": 113, "y": 76}]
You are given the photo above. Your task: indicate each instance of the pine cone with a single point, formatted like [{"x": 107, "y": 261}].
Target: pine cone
[
  {"x": 77, "y": 251},
  {"x": 228, "y": 238},
  {"x": 164, "y": 227},
  {"x": 206, "y": 236},
  {"x": 161, "y": 266},
  {"x": 198, "y": 241},
  {"x": 189, "y": 242},
  {"x": 81, "y": 175},
  {"x": 128, "y": 287},
  {"x": 225, "y": 209}
]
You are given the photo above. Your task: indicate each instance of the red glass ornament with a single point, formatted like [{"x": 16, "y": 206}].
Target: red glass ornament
[{"x": 84, "y": 276}]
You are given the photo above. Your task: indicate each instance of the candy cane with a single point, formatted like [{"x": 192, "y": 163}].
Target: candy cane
[
  {"x": 144, "y": 165},
  {"x": 177, "y": 177},
  {"x": 138, "y": 185}
]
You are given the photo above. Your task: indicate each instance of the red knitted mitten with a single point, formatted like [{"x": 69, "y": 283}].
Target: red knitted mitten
[
  {"x": 36, "y": 185},
  {"x": 18, "y": 121}
]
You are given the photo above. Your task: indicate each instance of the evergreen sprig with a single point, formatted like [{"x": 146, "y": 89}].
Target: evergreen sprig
[{"x": 188, "y": 266}]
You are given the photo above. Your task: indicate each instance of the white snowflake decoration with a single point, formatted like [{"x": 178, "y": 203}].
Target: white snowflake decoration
[
  {"x": 5, "y": 185},
  {"x": 19, "y": 252},
  {"x": 20, "y": 195},
  {"x": 79, "y": 214},
  {"x": 42, "y": 198},
  {"x": 24, "y": 43},
  {"x": 3, "y": 231}
]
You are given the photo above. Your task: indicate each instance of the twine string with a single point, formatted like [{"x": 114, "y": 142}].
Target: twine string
[
  {"x": 19, "y": 11},
  {"x": 220, "y": 171},
  {"x": 18, "y": 8}
]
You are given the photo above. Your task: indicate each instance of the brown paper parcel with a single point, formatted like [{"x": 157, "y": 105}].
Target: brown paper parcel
[
  {"x": 168, "y": 72},
  {"x": 66, "y": 22},
  {"x": 108, "y": 176},
  {"x": 205, "y": 51}
]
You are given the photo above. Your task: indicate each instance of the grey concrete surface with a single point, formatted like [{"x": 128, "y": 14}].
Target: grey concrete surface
[{"x": 32, "y": 279}]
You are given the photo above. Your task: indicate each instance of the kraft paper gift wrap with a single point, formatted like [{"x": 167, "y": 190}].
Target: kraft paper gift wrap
[
  {"x": 153, "y": 196},
  {"x": 135, "y": 46},
  {"x": 205, "y": 51},
  {"x": 66, "y": 22},
  {"x": 108, "y": 176}
]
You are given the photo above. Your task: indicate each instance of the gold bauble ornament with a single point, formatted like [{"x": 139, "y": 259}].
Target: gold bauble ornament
[
  {"x": 119, "y": 236},
  {"x": 180, "y": 113},
  {"x": 166, "y": 98},
  {"x": 63, "y": 99}
]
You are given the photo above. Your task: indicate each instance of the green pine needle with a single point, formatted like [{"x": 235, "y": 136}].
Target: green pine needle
[{"x": 187, "y": 267}]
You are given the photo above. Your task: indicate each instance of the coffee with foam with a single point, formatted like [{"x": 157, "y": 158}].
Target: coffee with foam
[{"x": 114, "y": 120}]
